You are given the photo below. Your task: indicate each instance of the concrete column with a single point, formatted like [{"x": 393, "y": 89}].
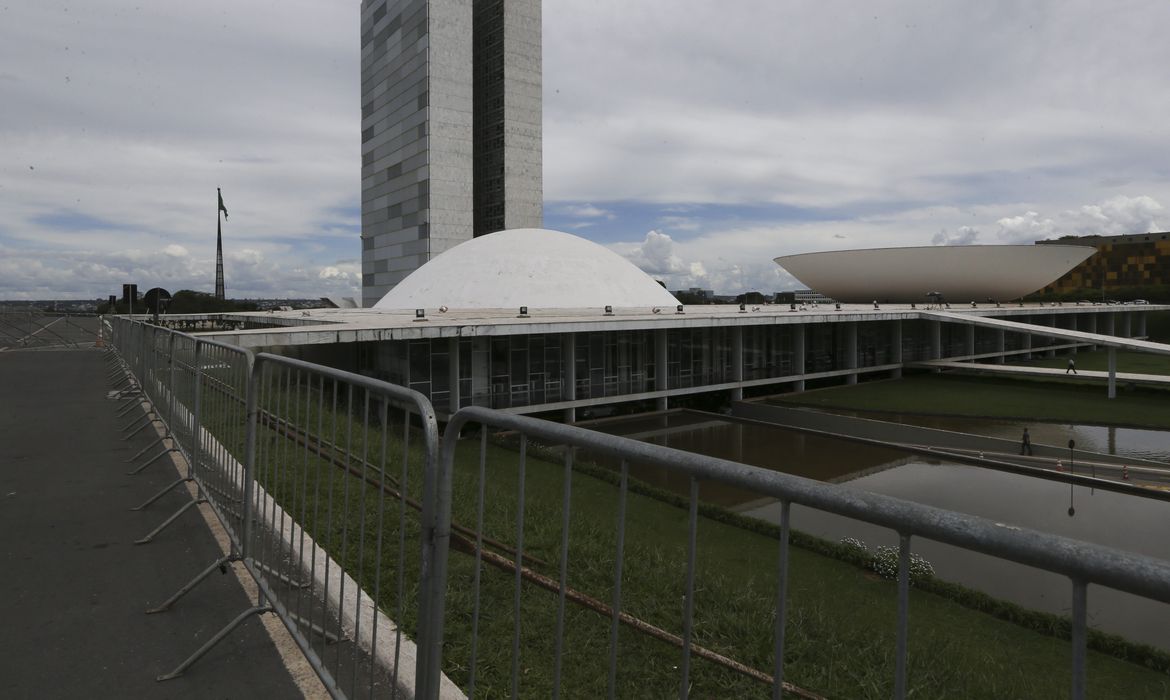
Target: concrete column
[
  {"x": 970, "y": 340},
  {"x": 1091, "y": 326},
  {"x": 1028, "y": 341},
  {"x": 851, "y": 351},
  {"x": 935, "y": 340},
  {"x": 569, "y": 375},
  {"x": 737, "y": 362},
  {"x": 453, "y": 374},
  {"x": 1000, "y": 345},
  {"x": 1050, "y": 321},
  {"x": 896, "y": 348},
  {"x": 1126, "y": 325},
  {"x": 1112, "y": 373},
  {"x": 1110, "y": 324},
  {"x": 660, "y": 362},
  {"x": 798, "y": 355},
  {"x": 1141, "y": 323}
]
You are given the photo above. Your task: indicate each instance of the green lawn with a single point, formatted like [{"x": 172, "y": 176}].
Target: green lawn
[
  {"x": 841, "y": 618},
  {"x": 964, "y": 395}
]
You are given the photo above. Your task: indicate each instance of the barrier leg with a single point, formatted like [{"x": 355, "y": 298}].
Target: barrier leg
[
  {"x": 213, "y": 641},
  {"x": 153, "y": 459},
  {"x": 175, "y": 516},
  {"x": 146, "y": 504},
  {"x": 144, "y": 449},
  {"x": 127, "y": 406},
  {"x": 220, "y": 564}
]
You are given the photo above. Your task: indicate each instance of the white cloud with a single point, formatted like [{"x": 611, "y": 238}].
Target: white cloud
[
  {"x": 1115, "y": 216},
  {"x": 926, "y": 122},
  {"x": 587, "y": 211},
  {"x": 656, "y": 255},
  {"x": 965, "y": 235}
]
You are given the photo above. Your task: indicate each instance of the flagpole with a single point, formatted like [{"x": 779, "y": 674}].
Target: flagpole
[{"x": 219, "y": 286}]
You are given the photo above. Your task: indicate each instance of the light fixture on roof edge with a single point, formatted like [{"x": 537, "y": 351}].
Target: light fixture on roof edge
[
  {"x": 523, "y": 312},
  {"x": 608, "y": 310},
  {"x": 420, "y": 314},
  {"x": 679, "y": 309}
]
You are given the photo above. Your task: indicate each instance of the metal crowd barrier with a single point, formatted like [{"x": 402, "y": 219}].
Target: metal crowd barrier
[
  {"x": 1081, "y": 562},
  {"x": 316, "y": 478},
  {"x": 342, "y": 465},
  {"x": 337, "y": 498}
]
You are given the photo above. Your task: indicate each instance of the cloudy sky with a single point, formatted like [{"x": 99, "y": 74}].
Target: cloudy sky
[{"x": 699, "y": 139}]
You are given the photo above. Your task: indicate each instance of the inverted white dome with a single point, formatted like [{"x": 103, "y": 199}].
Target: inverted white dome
[
  {"x": 958, "y": 273},
  {"x": 532, "y": 267}
]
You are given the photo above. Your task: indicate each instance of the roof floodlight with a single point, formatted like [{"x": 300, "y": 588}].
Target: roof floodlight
[
  {"x": 743, "y": 308},
  {"x": 443, "y": 309},
  {"x": 523, "y": 312},
  {"x": 913, "y": 306},
  {"x": 792, "y": 307},
  {"x": 678, "y": 309},
  {"x": 973, "y": 305},
  {"x": 997, "y": 304},
  {"x": 837, "y": 306},
  {"x": 875, "y": 305},
  {"x": 656, "y": 310},
  {"x": 948, "y": 305},
  {"x": 608, "y": 310},
  {"x": 420, "y": 314}
]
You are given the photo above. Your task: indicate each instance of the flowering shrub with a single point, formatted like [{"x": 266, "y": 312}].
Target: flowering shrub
[
  {"x": 885, "y": 564},
  {"x": 855, "y": 543}
]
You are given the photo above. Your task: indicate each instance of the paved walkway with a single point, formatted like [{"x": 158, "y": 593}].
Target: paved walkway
[{"x": 74, "y": 587}]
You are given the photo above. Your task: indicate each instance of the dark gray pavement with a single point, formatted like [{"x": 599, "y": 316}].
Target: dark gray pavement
[{"x": 73, "y": 586}]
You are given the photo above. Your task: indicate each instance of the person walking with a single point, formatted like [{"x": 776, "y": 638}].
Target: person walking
[
  {"x": 1026, "y": 444},
  {"x": 1072, "y": 366}
]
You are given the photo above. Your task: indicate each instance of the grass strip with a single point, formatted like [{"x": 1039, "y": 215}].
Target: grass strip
[
  {"x": 945, "y": 394},
  {"x": 841, "y": 617}
]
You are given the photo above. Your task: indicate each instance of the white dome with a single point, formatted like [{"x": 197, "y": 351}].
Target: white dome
[{"x": 532, "y": 267}]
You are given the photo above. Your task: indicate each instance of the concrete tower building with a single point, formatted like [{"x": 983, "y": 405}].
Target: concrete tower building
[{"x": 451, "y": 129}]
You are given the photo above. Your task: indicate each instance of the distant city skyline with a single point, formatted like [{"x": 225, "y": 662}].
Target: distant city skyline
[{"x": 698, "y": 154}]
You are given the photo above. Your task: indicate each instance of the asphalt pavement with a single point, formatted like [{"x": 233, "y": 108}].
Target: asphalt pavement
[{"x": 73, "y": 587}]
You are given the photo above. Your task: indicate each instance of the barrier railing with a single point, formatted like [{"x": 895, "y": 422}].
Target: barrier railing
[
  {"x": 340, "y": 502},
  {"x": 517, "y": 485},
  {"x": 341, "y": 466},
  {"x": 317, "y": 481}
]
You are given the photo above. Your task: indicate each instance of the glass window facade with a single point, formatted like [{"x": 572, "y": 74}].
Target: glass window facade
[
  {"x": 528, "y": 370},
  {"x": 769, "y": 351},
  {"x": 698, "y": 357}
]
